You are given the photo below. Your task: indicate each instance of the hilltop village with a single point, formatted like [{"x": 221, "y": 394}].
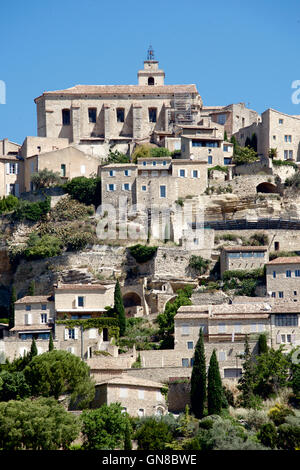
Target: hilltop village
[{"x": 148, "y": 189}]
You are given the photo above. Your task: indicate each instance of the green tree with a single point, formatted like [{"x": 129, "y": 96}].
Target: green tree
[
  {"x": 40, "y": 424},
  {"x": 14, "y": 386},
  {"x": 262, "y": 344},
  {"x": 199, "y": 264},
  {"x": 271, "y": 372},
  {"x": 45, "y": 246},
  {"x": 59, "y": 372},
  {"x": 267, "y": 435},
  {"x": 247, "y": 381},
  {"x": 45, "y": 178},
  {"x": 31, "y": 288},
  {"x": 288, "y": 436},
  {"x": 13, "y": 299},
  {"x": 215, "y": 394},
  {"x": 104, "y": 428},
  {"x": 51, "y": 345},
  {"x": 127, "y": 437},
  {"x": 153, "y": 435},
  {"x": 225, "y": 136},
  {"x": 33, "y": 350},
  {"x": 85, "y": 190},
  {"x": 198, "y": 379},
  {"x": 119, "y": 308},
  {"x": 117, "y": 157},
  {"x": 244, "y": 155}
]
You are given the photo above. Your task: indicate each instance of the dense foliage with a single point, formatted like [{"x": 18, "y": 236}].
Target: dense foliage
[
  {"x": 45, "y": 178},
  {"x": 142, "y": 253},
  {"x": 198, "y": 379},
  {"x": 85, "y": 190}
]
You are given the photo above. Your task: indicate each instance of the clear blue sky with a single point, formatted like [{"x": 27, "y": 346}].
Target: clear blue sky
[{"x": 233, "y": 51}]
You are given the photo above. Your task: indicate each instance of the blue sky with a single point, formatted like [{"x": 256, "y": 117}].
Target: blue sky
[{"x": 233, "y": 51}]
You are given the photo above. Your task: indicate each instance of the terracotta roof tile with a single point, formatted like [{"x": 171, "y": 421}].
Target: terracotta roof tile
[
  {"x": 244, "y": 248},
  {"x": 285, "y": 260},
  {"x": 34, "y": 299}
]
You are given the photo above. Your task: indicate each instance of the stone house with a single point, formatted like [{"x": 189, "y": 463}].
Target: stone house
[
  {"x": 276, "y": 130},
  {"x": 243, "y": 258},
  {"x": 137, "y": 396},
  {"x": 283, "y": 278},
  {"x": 11, "y": 168},
  {"x": 233, "y": 117}
]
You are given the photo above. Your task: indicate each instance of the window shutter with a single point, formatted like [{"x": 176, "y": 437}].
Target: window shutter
[
  {"x": 7, "y": 189},
  {"x": 17, "y": 168},
  {"x": 7, "y": 168},
  {"x": 107, "y": 187},
  {"x": 293, "y": 338},
  {"x": 123, "y": 187},
  {"x": 66, "y": 333},
  {"x": 278, "y": 339},
  {"x": 75, "y": 333},
  {"x": 28, "y": 319},
  {"x": 82, "y": 169},
  {"x": 17, "y": 191}
]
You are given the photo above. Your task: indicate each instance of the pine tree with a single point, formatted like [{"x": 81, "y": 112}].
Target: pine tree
[
  {"x": 119, "y": 308},
  {"x": 262, "y": 344},
  {"x": 51, "y": 345},
  {"x": 225, "y": 136},
  {"x": 31, "y": 289},
  {"x": 246, "y": 382},
  {"x": 33, "y": 349},
  {"x": 13, "y": 298},
  {"x": 215, "y": 394},
  {"x": 198, "y": 379}
]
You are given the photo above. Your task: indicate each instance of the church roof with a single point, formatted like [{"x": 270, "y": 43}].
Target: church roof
[{"x": 122, "y": 90}]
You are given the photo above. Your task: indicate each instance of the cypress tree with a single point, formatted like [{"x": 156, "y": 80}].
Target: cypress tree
[
  {"x": 198, "y": 379},
  {"x": 119, "y": 308},
  {"x": 33, "y": 349},
  {"x": 13, "y": 298},
  {"x": 127, "y": 438},
  {"x": 51, "y": 345},
  {"x": 31, "y": 289},
  {"x": 225, "y": 136},
  {"x": 262, "y": 344},
  {"x": 246, "y": 382},
  {"x": 215, "y": 392}
]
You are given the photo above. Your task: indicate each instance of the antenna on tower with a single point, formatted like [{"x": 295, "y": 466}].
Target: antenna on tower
[{"x": 150, "y": 53}]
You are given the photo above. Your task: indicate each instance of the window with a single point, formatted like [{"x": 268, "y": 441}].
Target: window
[
  {"x": 164, "y": 163},
  {"x": 286, "y": 320},
  {"x": 141, "y": 394},
  {"x": 126, "y": 187},
  {"x": 297, "y": 273},
  {"x": 290, "y": 154},
  {"x": 162, "y": 191},
  {"x": 152, "y": 114},
  {"x": 227, "y": 161},
  {"x": 141, "y": 412},
  {"x": 127, "y": 172},
  {"x": 181, "y": 173},
  {"x": 190, "y": 344},
  {"x": 280, "y": 121},
  {"x": 196, "y": 241},
  {"x": 111, "y": 187},
  {"x": 234, "y": 255},
  {"x": 13, "y": 168},
  {"x": 44, "y": 307},
  {"x": 237, "y": 328},
  {"x": 93, "y": 333},
  {"x": 144, "y": 188},
  {"x": 159, "y": 396},
  {"x": 123, "y": 392},
  {"x": 151, "y": 81},
  {"x": 185, "y": 362},
  {"x": 288, "y": 138},
  {"x": 28, "y": 308},
  {"x": 154, "y": 163},
  {"x": 120, "y": 114},
  {"x": 28, "y": 319},
  {"x": 62, "y": 170},
  {"x": 185, "y": 330},
  {"x": 280, "y": 294},
  {"x": 222, "y": 356},
  {"x": 261, "y": 327},
  {"x": 80, "y": 301},
  {"x": 66, "y": 117},
  {"x": 232, "y": 373},
  {"x": 221, "y": 119},
  {"x": 195, "y": 173},
  {"x": 288, "y": 273},
  {"x": 92, "y": 115},
  {"x": 209, "y": 159},
  {"x": 82, "y": 169},
  {"x": 295, "y": 292},
  {"x": 112, "y": 173},
  {"x": 43, "y": 317},
  {"x": 273, "y": 294},
  {"x": 226, "y": 148},
  {"x": 144, "y": 163},
  {"x": 105, "y": 336},
  {"x": 274, "y": 274},
  {"x": 71, "y": 333},
  {"x": 286, "y": 154}
]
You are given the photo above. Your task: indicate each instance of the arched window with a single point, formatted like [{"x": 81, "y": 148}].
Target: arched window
[{"x": 150, "y": 81}]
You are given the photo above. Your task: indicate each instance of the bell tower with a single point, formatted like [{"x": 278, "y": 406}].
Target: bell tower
[{"x": 151, "y": 75}]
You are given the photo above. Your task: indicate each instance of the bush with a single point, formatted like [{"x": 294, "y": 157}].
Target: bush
[
  {"x": 259, "y": 239},
  {"x": 153, "y": 435},
  {"x": 288, "y": 437},
  {"x": 85, "y": 190},
  {"x": 117, "y": 157},
  {"x": 70, "y": 209},
  {"x": 244, "y": 155},
  {"x": 34, "y": 211},
  {"x": 78, "y": 241},
  {"x": 8, "y": 203},
  {"x": 142, "y": 253},
  {"x": 267, "y": 435},
  {"x": 45, "y": 246},
  {"x": 45, "y": 178},
  {"x": 199, "y": 264},
  {"x": 279, "y": 413}
]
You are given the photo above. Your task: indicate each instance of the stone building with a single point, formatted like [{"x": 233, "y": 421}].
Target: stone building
[
  {"x": 137, "y": 396},
  {"x": 11, "y": 168},
  {"x": 283, "y": 278},
  {"x": 122, "y": 115},
  {"x": 233, "y": 117},
  {"x": 277, "y": 131},
  {"x": 243, "y": 258}
]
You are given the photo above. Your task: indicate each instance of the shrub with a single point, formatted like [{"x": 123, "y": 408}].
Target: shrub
[
  {"x": 288, "y": 437},
  {"x": 244, "y": 155},
  {"x": 199, "y": 264},
  {"x": 85, "y": 190},
  {"x": 117, "y": 157},
  {"x": 70, "y": 209},
  {"x": 142, "y": 253},
  {"x": 45, "y": 178},
  {"x": 153, "y": 435},
  {"x": 267, "y": 435},
  {"x": 78, "y": 241},
  {"x": 259, "y": 239},
  {"x": 279, "y": 413},
  {"x": 42, "y": 247},
  {"x": 34, "y": 211},
  {"x": 8, "y": 203}
]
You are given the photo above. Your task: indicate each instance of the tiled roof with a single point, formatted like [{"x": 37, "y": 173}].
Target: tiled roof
[
  {"x": 285, "y": 260},
  {"x": 236, "y": 248},
  {"x": 122, "y": 90},
  {"x": 27, "y": 328},
  {"x": 34, "y": 299},
  {"x": 233, "y": 309},
  {"x": 128, "y": 380},
  {"x": 84, "y": 286}
]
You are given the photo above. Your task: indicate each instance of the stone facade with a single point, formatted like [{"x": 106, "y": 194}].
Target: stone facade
[
  {"x": 283, "y": 278},
  {"x": 275, "y": 131},
  {"x": 11, "y": 168},
  {"x": 138, "y": 397},
  {"x": 243, "y": 258},
  {"x": 233, "y": 117}
]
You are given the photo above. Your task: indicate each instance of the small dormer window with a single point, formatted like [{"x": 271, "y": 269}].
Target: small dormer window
[{"x": 150, "y": 81}]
